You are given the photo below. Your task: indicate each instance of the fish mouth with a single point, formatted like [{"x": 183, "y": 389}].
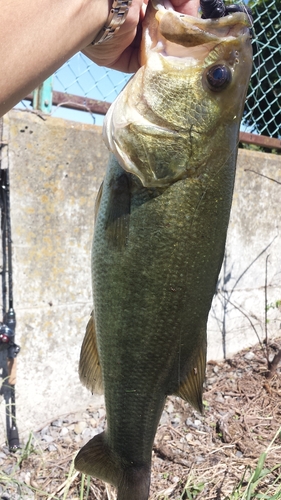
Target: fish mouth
[{"x": 172, "y": 30}]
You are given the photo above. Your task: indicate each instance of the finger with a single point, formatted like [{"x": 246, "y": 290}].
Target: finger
[{"x": 189, "y": 7}]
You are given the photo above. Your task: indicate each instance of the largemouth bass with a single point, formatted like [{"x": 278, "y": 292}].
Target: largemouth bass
[{"x": 162, "y": 217}]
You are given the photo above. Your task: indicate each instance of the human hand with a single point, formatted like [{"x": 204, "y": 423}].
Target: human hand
[{"x": 121, "y": 52}]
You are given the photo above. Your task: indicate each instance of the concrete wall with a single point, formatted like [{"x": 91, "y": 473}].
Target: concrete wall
[
  {"x": 56, "y": 167},
  {"x": 252, "y": 259},
  {"x": 55, "y": 170}
]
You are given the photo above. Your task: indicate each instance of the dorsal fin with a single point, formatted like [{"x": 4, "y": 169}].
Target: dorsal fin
[
  {"x": 89, "y": 365},
  {"x": 98, "y": 199}
]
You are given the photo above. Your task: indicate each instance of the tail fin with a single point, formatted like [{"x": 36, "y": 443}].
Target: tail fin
[
  {"x": 96, "y": 459},
  {"x": 134, "y": 484}
]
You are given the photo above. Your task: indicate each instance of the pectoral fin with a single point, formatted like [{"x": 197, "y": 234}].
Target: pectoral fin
[
  {"x": 191, "y": 387},
  {"x": 118, "y": 212},
  {"x": 89, "y": 365}
]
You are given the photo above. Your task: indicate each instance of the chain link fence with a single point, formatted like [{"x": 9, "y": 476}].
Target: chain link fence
[
  {"x": 82, "y": 90},
  {"x": 80, "y": 76},
  {"x": 263, "y": 106}
]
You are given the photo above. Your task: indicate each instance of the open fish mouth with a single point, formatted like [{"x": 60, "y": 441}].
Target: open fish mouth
[{"x": 188, "y": 31}]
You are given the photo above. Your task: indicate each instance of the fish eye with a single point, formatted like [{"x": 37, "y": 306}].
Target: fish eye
[{"x": 218, "y": 77}]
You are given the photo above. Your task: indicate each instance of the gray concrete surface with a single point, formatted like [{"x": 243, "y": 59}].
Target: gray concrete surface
[
  {"x": 56, "y": 167},
  {"x": 55, "y": 170},
  {"x": 252, "y": 259}
]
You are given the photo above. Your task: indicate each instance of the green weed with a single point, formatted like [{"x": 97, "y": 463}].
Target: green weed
[
  {"x": 191, "y": 489},
  {"x": 257, "y": 477}
]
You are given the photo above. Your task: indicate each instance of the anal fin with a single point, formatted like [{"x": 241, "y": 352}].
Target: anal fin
[
  {"x": 89, "y": 365},
  {"x": 191, "y": 387}
]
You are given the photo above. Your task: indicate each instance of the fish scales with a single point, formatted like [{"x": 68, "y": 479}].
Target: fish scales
[{"x": 162, "y": 217}]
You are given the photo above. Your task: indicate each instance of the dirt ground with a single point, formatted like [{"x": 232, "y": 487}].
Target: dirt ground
[{"x": 194, "y": 456}]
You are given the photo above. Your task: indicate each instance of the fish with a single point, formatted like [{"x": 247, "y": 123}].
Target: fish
[{"x": 162, "y": 214}]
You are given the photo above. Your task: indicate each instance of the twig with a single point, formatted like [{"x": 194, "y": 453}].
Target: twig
[
  {"x": 262, "y": 175},
  {"x": 265, "y": 313}
]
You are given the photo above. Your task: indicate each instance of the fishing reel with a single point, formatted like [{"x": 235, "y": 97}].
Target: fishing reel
[{"x": 7, "y": 334}]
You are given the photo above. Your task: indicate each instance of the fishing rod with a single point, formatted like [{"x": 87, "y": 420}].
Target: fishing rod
[{"x": 8, "y": 348}]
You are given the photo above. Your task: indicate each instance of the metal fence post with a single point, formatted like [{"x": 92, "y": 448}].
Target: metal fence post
[{"x": 42, "y": 96}]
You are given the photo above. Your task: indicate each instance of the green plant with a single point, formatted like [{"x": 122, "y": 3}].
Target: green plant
[
  {"x": 88, "y": 479},
  {"x": 26, "y": 451},
  {"x": 191, "y": 489},
  {"x": 274, "y": 305},
  {"x": 249, "y": 492},
  {"x": 206, "y": 405},
  {"x": 9, "y": 481}
]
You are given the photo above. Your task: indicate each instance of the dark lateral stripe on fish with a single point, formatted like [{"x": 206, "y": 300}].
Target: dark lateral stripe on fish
[{"x": 118, "y": 212}]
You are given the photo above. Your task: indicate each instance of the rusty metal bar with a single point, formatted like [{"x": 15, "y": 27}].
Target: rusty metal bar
[
  {"x": 72, "y": 101},
  {"x": 260, "y": 140}
]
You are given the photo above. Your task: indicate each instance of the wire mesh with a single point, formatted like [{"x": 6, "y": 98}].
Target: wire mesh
[
  {"x": 263, "y": 106},
  {"x": 80, "y": 76}
]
